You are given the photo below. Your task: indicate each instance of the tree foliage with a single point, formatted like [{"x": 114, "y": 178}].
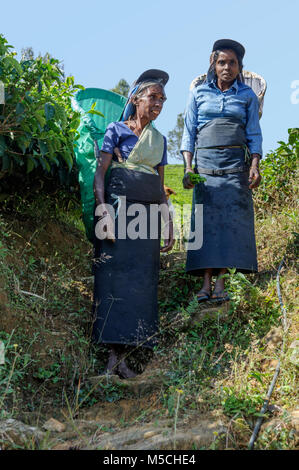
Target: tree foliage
[
  {"x": 37, "y": 123},
  {"x": 175, "y": 137},
  {"x": 122, "y": 88},
  {"x": 279, "y": 170},
  {"x": 27, "y": 53}
]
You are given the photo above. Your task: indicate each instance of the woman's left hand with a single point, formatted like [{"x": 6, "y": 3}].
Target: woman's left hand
[{"x": 254, "y": 177}]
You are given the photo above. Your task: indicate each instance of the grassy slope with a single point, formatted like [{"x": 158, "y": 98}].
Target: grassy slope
[
  {"x": 173, "y": 178},
  {"x": 233, "y": 362},
  {"x": 217, "y": 364}
]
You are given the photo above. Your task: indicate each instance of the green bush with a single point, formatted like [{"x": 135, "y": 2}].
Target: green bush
[
  {"x": 37, "y": 123},
  {"x": 241, "y": 404},
  {"x": 278, "y": 170}
]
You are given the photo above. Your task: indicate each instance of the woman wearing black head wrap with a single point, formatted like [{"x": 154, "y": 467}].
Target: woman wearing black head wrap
[
  {"x": 222, "y": 130},
  {"x": 126, "y": 263}
]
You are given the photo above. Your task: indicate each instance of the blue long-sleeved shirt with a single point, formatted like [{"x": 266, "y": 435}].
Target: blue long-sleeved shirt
[{"x": 207, "y": 102}]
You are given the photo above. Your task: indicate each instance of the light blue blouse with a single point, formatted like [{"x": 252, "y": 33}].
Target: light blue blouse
[{"x": 207, "y": 102}]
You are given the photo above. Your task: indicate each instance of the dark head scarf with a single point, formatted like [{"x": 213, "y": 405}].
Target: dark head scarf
[{"x": 151, "y": 76}]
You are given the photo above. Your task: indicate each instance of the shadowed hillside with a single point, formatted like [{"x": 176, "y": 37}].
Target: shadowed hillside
[{"x": 205, "y": 383}]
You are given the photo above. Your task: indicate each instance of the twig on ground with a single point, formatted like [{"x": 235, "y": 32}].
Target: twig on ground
[{"x": 20, "y": 291}]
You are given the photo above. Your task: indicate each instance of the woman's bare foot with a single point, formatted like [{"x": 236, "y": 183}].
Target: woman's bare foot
[
  {"x": 112, "y": 362},
  {"x": 124, "y": 370}
]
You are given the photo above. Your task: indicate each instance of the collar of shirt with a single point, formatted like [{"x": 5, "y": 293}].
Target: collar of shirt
[{"x": 234, "y": 86}]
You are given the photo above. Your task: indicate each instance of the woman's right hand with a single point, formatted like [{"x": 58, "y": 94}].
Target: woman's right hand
[
  {"x": 186, "y": 180},
  {"x": 105, "y": 227},
  {"x": 109, "y": 227},
  {"x": 116, "y": 151}
]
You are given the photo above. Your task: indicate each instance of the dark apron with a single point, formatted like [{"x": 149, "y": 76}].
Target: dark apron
[
  {"x": 127, "y": 271},
  {"x": 228, "y": 217}
]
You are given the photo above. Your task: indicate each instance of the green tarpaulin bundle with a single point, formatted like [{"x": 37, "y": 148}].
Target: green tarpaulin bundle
[{"x": 92, "y": 127}]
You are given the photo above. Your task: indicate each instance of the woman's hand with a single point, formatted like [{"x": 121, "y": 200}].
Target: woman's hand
[
  {"x": 105, "y": 227},
  {"x": 108, "y": 227},
  {"x": 116, "y": 151},
  {"x": 169, "y": 240},
  {"x": 188, "y": 162},
  {"x": 186, "y": 180},
  {"x": 254, "y": 173},
  {"x": 254, "y": 177}
]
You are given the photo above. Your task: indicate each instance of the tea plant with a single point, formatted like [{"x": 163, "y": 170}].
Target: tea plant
[
  {"x": 278, "y": 170},
  {"x": 37, "y": 124}
]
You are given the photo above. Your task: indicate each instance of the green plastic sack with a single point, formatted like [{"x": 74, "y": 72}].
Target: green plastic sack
[{"x": 92, "y": 127}]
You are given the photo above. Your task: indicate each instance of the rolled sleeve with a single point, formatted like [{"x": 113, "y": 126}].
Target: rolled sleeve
[
  {"x": 190, "y": 125},
  {"x": 253, "y": 129},
  {"x": 110, "y": 139}
]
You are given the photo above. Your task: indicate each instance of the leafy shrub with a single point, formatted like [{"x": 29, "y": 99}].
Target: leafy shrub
[
  {"x": 37, "y": 124},
  {"x": 241, "y": 404},
  {"x": 278, "y": 173}
]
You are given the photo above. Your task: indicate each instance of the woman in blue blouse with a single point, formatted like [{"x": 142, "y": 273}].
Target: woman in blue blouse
[
  {"x": 222, "y": 130},
  {"x": 126, "y": 266}
]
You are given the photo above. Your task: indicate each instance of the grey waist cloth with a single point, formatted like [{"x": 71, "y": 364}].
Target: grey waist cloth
[
  {"x": 228, "y": 216},
  {"x": 126, "y": 272},
  {"x": 221, "y": 132}
]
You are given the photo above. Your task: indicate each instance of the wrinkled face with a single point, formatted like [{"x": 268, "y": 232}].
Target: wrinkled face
[
  {"x": 150, "y": 104},
  {"x": 227, "y": 66}
]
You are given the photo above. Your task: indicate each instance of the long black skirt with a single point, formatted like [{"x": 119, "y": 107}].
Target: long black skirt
[
  {"x": 228, "y": 216},
  {"x": 126, "y": 272}
]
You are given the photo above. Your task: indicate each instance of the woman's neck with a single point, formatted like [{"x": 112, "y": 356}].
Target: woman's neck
[
  {"x": 137, "y": 124},
  {"x": 223, "y": 86}
]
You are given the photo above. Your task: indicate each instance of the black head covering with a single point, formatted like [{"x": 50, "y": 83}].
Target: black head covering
[
  {"x": 152, "y": 74},
  {"x": 229, "y": 44}
]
